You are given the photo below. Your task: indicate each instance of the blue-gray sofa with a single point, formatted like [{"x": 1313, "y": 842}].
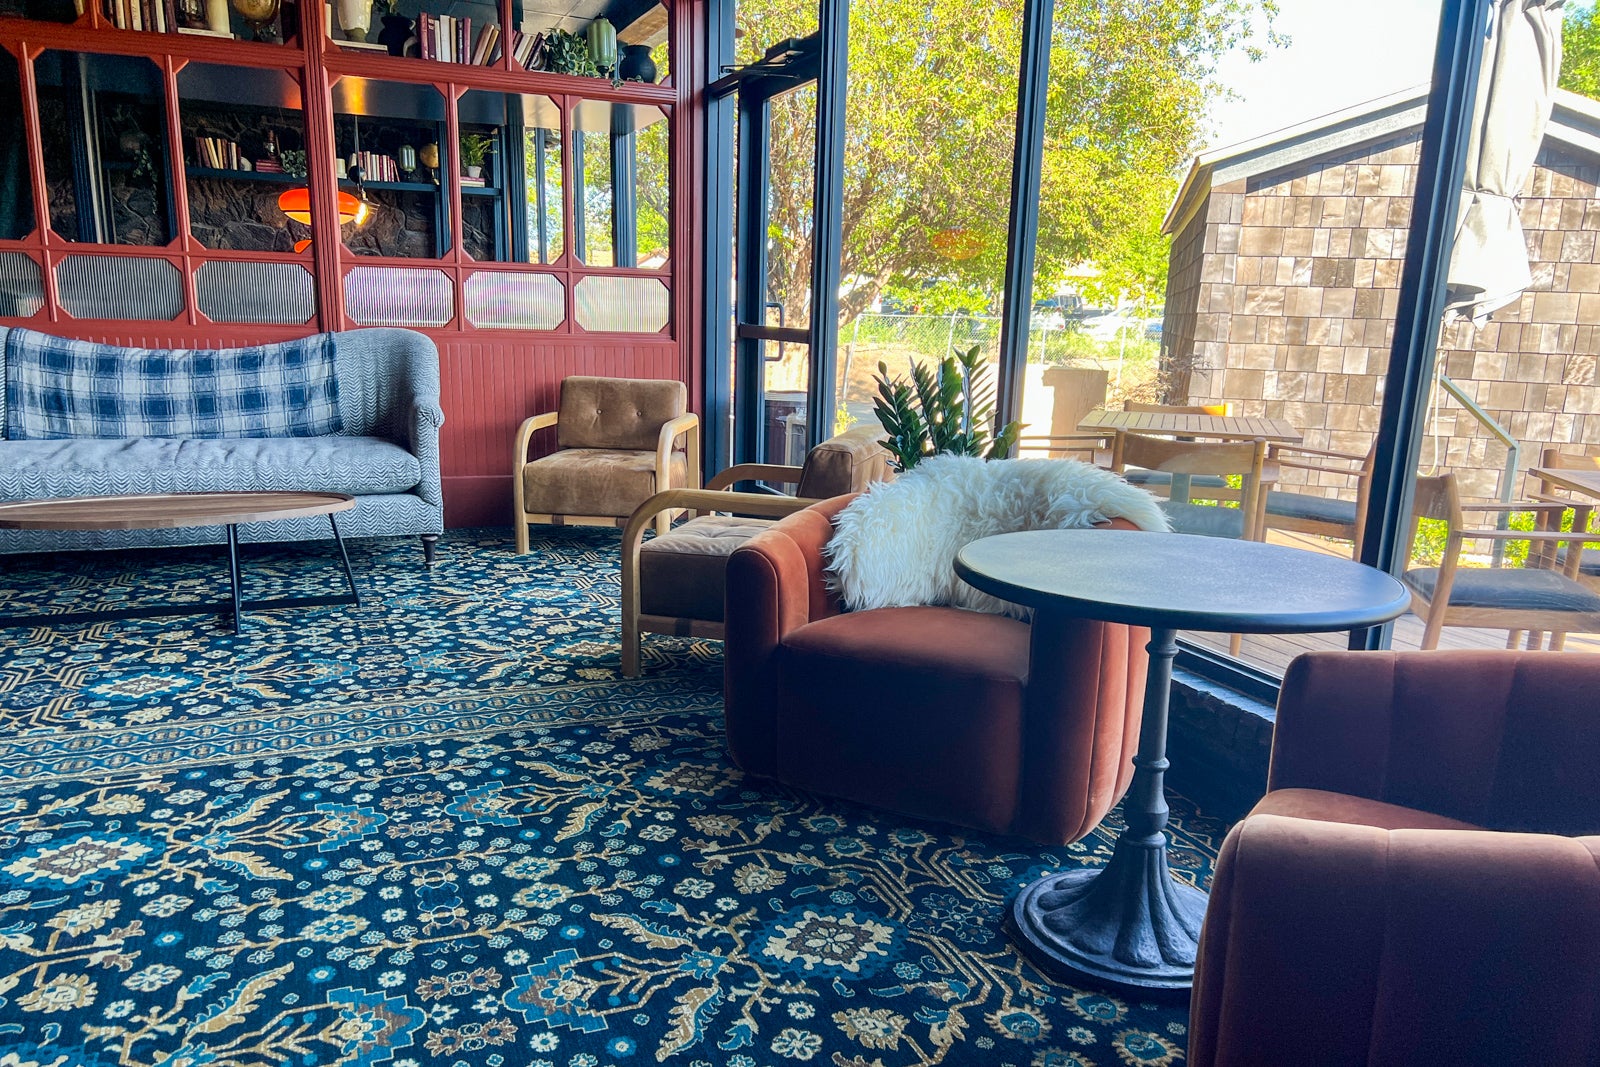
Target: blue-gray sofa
[{"x": 384, "y": 448}]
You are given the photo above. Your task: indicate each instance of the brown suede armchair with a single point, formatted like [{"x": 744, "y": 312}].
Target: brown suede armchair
[
  {"x": 616, "y": 445},
  {"x": 924, "y": 711},
  {"x": 675, "y": 583},
  {"x": 1413, "y": 888}
]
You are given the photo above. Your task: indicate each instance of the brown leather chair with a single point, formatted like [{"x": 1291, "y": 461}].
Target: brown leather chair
[
  {"x": 924, "y": 711},
  {"x": 1412, "y": 889},
  {"x": 616, "y": 445},
  {"x": 673, "y": 583}
]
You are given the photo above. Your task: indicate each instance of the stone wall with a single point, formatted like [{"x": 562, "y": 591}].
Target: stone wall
[{"x": 1299, "y": 290}]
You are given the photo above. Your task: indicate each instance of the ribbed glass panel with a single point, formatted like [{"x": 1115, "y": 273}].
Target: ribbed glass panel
[
  {"x": 119, "y": 287},
  {"x": 255, "y": 292},
  {"x": 500, "y": 300},
  {"x": 398, "y": 296},
  {"x": 21, "y": 285},
  {"x": 622, "y": 305}
]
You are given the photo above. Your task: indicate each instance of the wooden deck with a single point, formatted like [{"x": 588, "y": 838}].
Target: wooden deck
[{"x": 1272, "y": 652}]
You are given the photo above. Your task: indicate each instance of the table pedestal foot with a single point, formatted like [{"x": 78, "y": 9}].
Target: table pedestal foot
[{"x": 1130, "y": 922}]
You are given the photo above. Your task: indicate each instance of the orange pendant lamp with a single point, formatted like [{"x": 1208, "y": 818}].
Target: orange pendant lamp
[{"x": 296, "y": 203}]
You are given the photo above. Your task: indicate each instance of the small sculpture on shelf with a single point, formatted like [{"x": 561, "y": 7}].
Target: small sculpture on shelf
[
  {"x": 260, "y": 16},
  {"x": 407, "y": 160},
  {"x": 398, "y": 30},
  {"x": 601, "y": 38},
  {"x": 428, "y": 156}
]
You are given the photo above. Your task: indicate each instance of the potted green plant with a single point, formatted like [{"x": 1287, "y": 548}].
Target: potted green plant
[
  {"x": 948, "y": 409},
  {"x": 475, "y": 149},
  {"x": 568, "y": 53}
]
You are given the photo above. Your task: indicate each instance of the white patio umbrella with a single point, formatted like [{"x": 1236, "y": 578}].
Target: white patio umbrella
[{"x": 1521, "y": 61}]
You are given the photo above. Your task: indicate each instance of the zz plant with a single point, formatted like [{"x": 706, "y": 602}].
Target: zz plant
[{"x": 946, "y": 409}]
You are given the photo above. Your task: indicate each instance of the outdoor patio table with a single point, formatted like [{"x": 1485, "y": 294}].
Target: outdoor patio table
[
  {"x": 1578, "y": 481},
  {"x": 1129, "y": 922},
  {"x": 1177, "y": 424}
]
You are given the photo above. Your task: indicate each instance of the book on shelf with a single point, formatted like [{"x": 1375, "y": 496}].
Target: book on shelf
[
  {"x": 448, "y": 39},
  {"x": 217, "y": 153},
  {"x": 481, "y": 183},
  {"x": 526, "y": 49},
  {"x": 144, "y": 16}
]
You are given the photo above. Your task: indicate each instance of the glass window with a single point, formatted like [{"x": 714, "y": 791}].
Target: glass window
[
  {"x": 16, "y": 184},
  {"x": 119, "y": 287},
  {"x": 620, "y": 168},
  {"x": 506, "y": 300},
  {"x": 398, "y": 296},
  {"x": 21, "y": 285},
  {"x": 102, "y": 125},
  {"x": 244, "y": 148},
  {"x": 622, "y": 305},
  {"x": 255, "y": 292},
  {"x": 390, "y": 141},
  {"x": 511, "y": 177}
]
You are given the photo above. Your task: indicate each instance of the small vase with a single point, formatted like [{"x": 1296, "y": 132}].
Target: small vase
[
  {"x": 474, "y": 172},
  {"x": 395, "y": 33},
  {"x": 355, "y": 16},
  {"x": 602, "y": 41},
  {"x": 218, "y": 19},
  {"x": 637, "y": 65}
]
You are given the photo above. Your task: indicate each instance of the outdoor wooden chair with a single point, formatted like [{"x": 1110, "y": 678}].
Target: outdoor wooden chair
[
  {"x": 1298, "y": 511},
  {"x": 1185, "y": 464},
  {"x": 1149, "y": 478},
  {"x": 1533, "y": 598},
  {"x": 1582, "y": 511},
  {"x": 1087, "y": 447}
]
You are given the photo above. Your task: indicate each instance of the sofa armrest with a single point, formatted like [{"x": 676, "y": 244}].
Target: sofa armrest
[
  {"x": 1352, "y": 944},
  {"x": 1494, "y": 738},
  {"x": 426, "y": 417}
]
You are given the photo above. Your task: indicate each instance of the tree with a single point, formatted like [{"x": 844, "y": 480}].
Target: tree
[
  {"x": 931, "y": 117},
  {"x": 1580, "y": 52}
]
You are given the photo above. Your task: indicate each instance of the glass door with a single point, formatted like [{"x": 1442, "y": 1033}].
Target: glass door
[{"x": 772, "y": 335}]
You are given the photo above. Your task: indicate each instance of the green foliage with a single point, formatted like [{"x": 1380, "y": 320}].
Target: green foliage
[
  {"x": 475, "y": 148},
  {"x": 1580, "y": 51},
  {"x": 568, "y": 53},
  {"x": 930, "y": 130},
  {"x": 942, "y": 297},
  {"x": 293, "y": 161},
  {"x": 949, "y": 409}
]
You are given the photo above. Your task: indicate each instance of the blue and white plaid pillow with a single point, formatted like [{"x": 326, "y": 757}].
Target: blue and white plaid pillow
[{"x": 59, "y": 388}]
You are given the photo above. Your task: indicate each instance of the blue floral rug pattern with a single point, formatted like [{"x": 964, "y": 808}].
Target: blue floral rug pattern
[{"x": 572, "y": 876}]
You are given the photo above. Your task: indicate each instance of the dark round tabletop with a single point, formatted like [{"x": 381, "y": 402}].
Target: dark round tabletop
[{"x": 1181, "y": 581}]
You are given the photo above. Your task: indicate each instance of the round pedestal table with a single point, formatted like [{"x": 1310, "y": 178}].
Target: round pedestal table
[{"x": 1130, "y": 923}]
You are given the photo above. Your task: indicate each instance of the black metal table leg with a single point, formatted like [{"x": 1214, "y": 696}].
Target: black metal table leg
[
  {"x": 1129, "y": 922},
  {"x": 233, "y": 576},
  {"x": 344, "y": 557}
]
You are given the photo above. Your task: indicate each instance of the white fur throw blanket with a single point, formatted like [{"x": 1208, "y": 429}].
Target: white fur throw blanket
[{"x": 896, "y": 544}]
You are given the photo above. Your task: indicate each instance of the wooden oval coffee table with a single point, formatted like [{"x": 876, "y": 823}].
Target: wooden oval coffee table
[{"x": 175, "y": 511}]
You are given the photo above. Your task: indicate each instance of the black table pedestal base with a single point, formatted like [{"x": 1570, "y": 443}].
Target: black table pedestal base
[{"x": 1129, "y": 923}]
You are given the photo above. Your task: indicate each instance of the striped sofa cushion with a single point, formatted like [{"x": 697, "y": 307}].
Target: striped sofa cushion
[{"x": 60, "y": 388}]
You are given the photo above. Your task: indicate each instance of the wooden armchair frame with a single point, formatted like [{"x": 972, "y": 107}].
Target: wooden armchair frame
[
  {"x": 1440, "y": 498},
  {"x": 1324, "y": 461},
  {"x": 716, "y": 496},
  {"x": 686, "y": 426}
]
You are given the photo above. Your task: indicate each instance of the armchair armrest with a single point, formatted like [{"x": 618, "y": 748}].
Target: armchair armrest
[
  {"x": 1489, "y": 737},
  {"x": 423, "y": 423},
  {"x": 1398, "y": 946},
  {"x": 525, "y": 432},
  {"x": 754, "y": 472},
  {"x": 686, "y": 425}
]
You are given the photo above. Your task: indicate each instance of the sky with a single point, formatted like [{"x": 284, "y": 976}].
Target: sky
[{"x": 1340, "y": 54}]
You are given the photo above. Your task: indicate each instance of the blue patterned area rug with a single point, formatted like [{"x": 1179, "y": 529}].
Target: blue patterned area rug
[{"x": 441, "y": 831}]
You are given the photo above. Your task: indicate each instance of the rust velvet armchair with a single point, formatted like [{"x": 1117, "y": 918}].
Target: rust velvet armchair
[
  {"x": 924, "y": 711},
  {"x": 1416, "y": 887}
]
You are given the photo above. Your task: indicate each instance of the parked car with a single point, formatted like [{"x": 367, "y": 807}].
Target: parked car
[{"x": 1109, "y": 326}]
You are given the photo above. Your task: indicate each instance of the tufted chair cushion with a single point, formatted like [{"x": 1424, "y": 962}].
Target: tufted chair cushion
[{"x": 617, "y": 413}]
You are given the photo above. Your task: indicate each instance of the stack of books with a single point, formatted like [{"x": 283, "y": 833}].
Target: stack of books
[
  {"x": 217, "y": 153},
  {"x": 269, "y": 165},
  {"x": 377, "y": 168},
  {"x": 527, "y": 50},
  {"x": 153, "y": 16},
  {"x": 480, "y": 182},
  {"x": 448, "y": 39}
]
